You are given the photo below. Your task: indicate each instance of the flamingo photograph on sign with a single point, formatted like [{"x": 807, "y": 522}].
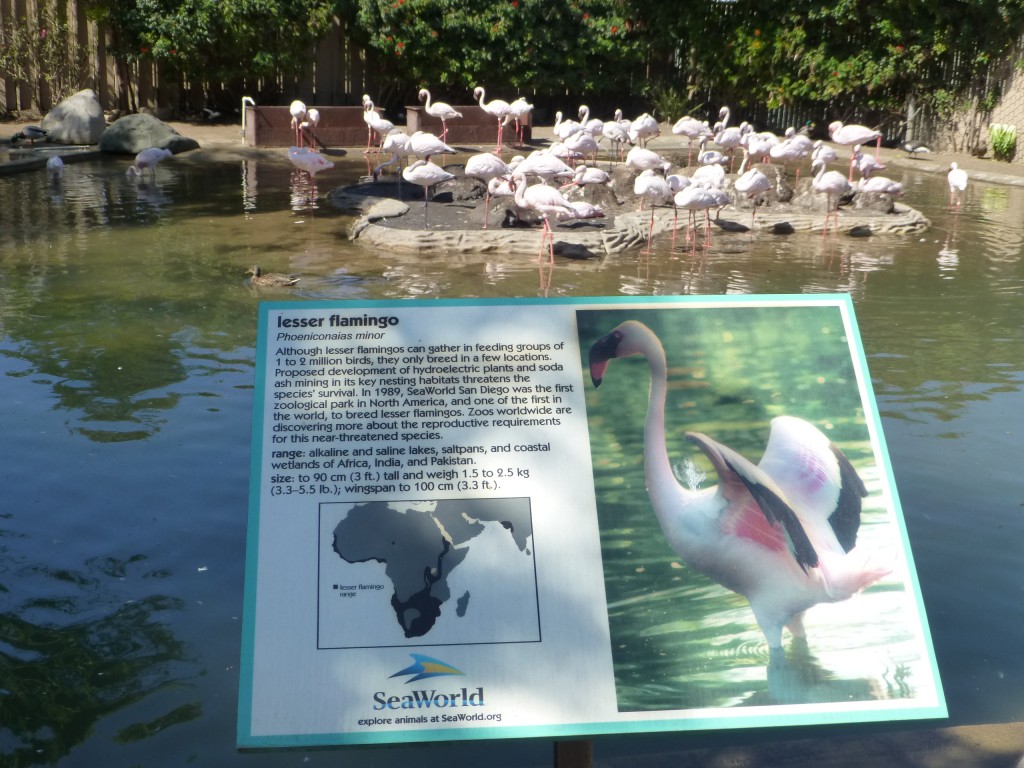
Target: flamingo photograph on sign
[{"x": 753, "y": 549}]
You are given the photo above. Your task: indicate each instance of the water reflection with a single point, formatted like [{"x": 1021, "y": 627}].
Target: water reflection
[{"x": 126, "y": 341}]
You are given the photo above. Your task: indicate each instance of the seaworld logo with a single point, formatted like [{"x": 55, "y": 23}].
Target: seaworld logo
[{"x": 424, "y": 667}]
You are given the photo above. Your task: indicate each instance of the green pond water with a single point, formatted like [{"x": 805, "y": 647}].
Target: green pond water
[{"x": 127, "y": 340}]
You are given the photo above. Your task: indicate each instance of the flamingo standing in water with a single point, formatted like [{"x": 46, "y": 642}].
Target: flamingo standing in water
[
  {"x": 375, "y": 123},
  {"x": 55, "y": 169},
  {"x": 957, "y": 179},
  {"x": 147, "y": 160},
  {"x": 782, "y": 533},
  {"x": 497, "y": 108},
  {"x": 298, "y": 113},
  {"x": 546, "y": 201},
  {"x": 439, "y": 109},
  {"x": 697, "y": 197},
  {"x": 753, "y": 183}
]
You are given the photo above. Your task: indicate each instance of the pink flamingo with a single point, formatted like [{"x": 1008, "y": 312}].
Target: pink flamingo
[
  {"x": 298, "y": 113},
  {"x": 425, "y": 174},
  {"x": 957, "y": 179},
  {"x": 849, "y": 135},
  {"x": 832, "y": 184},
  {"x": 497, "y": 108},
  {"x": 782, "y": 533},
  {"x": 546, "y": 201},
  {"x": 486, "y": 166},
  {"x": 147, "y": 160},
  {"x": 439, "y": 109},
  {"x": 752, "y": 183}
]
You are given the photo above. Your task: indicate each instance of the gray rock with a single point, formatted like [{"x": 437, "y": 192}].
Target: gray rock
[
  {"x": 76, "y": 120},
  {"x": 133, "y": 133}
]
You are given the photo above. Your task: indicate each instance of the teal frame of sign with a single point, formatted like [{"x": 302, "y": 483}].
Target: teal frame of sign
[{"x": 454, "y": 534}]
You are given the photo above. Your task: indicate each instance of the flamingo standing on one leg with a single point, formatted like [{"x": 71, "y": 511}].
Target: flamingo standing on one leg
[
  {"x": 851, "y": 135},
  {"x": 425, "y": 174},
  {"x": 497, "y": 108},
  {"x": 439, "y": 109},
  {"x": 546, "y": 201},
  {"x": 298, "y": 113},
  {"x": 957, "y": 179},
  {"x": 752, "y": 183},
  {"x": 782, "y": 533}
]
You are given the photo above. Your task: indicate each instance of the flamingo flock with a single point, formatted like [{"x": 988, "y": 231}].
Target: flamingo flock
[{"x": 569, "y": 167}]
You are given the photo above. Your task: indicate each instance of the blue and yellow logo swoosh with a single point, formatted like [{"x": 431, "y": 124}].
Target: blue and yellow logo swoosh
[{"x": 426, "y": 666}]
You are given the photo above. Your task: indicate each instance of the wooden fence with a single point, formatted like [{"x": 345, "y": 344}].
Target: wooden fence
[{"x": 50, "y": 49}]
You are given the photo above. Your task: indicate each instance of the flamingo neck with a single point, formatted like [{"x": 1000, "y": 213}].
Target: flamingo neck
[{"x": 662, "y": 486}]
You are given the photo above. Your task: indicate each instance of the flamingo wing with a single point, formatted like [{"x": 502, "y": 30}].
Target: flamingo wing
[{"x": 757, "y": 507}]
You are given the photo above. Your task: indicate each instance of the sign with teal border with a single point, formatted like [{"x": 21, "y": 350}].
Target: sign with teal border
[{"x": 490, "y": 519}]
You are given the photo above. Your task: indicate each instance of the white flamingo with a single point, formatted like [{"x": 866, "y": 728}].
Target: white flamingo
[
  {"x": 957, "y": 179},
  {"x": 693, "y": 198},
  {"x": 614, "y": 131},
  {"x": 565, "y": 127},
  {"x": 424, "y": 173},
  {"x": 518, "y": 110},
  {"x": 880, "y": 184},
  {"x": 752, "y": 183},
  {"x": 439, "y": 109},
  {"x": 643, "y": 129},
  {"x": 496, "y": 108},
  {"x": 308, "y": 125},
  {"x": 834, "y": 185},
  {"x": 546, "y": 201},
  {"x": 850, "y": 135},
  {"x": 147, "y": 160},
  {"x": 651, "y": 186},
  {"x": 642, "y": 158},
  {"x": 693, "y": 129},
  {"x": 297, "y": 109},
  {"x": 866, "y": 164},
  {"x": 486, "y": 166},
  {"x": 309, "y": 161},
  {"x": 423, "y": 144},
  {"x": 375, "y": 123},
  {"x": 545, "y": 166},
  {"x": 782, "y": 533}
]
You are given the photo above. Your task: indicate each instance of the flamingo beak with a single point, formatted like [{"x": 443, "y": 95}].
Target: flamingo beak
[{"x": 603, "y": 350}]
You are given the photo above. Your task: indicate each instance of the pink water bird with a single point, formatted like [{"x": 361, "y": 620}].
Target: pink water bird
[
  {"x": 693, "y": 198},
  {"x": 147, "y": 160},
  {"x": 866, "y": 164},
  {"x": 486, "y": 166},
  {"x": 423, "y": 144},
  {"x": 545, "y": 201},
  {"x": 439, "y": 109},
  {"x": 308, "y": 127},
  {"x": 834, "y": 185},
  {"x": 850, "y": 135},
  {"x": 653, "y": 187},
  {"x": 497, "y": 109},
  {"x": 309, "y": 161},
  {"x": 642, "y": 158},
  {"x": 643, "y": 129},
  {"x": 753, "y": 183},
  {"x": 425, "y": 174},
  {"x": 957, "y": 179},
  {"x": 375, "y": 123},
  {"x": 298, "y": 112},
  {"x": 545, "y": 165},
  {"x": 518, "y": 111},
  {"x": 782, "y": 533},
  {"x": 694, "y": 130}
]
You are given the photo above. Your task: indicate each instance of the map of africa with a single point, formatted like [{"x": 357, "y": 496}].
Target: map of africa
[{"x": 427, "y": 572}]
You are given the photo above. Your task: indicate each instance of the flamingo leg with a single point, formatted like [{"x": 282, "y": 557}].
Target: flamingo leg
[
  {"x": 650, "y": 232},
  {"x": 487, "y": 207}
]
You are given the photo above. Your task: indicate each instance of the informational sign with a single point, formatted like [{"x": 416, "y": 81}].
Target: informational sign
[{"x": 478, "y": 519}]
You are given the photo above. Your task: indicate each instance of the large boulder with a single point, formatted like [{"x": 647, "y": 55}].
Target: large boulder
[
  {"x": 76, "y": 120},
  {"x": 133, "y": 133}
]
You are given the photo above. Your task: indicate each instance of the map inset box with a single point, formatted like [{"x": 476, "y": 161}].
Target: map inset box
[{"x": 415, "y": 573}]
